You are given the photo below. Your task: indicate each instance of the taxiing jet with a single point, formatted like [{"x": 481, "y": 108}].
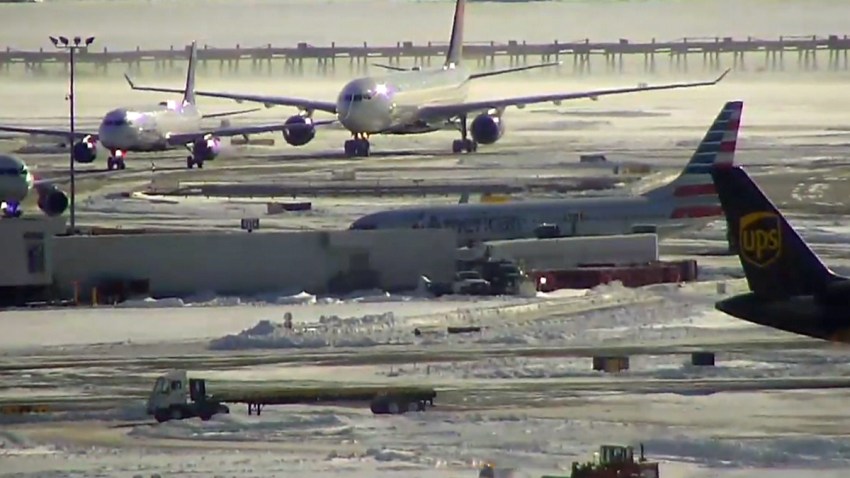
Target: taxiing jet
[
  {"x": 418, "y": 101},
  {"x": 16, "y": 182},
  {"x": 790, "y": 288},
  {"x": 168, "y": 125},
  {"x": 688, "y": 201}
]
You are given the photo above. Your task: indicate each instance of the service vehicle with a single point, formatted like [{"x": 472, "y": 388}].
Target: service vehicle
[{"x": 175, "y": 396}]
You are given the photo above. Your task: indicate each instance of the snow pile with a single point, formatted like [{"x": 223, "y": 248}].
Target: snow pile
[
  {"x": 211, "y": 300},
  {"x": 12, "y": 444},
  {"x": 280, "y": 424},
  {"x": 330, "y": 331}
]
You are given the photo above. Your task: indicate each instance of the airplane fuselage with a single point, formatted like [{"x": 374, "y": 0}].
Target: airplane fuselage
[
  {"x": 515, "y": 220},
  {"x": 802, "y": 315},
  {"x": 147, "y": 129},
  {"x": 391, "y": 103}
]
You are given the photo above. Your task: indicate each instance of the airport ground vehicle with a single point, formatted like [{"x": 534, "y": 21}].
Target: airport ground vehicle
[
  {"x": 175, "y": 396},
  {"x": 471, "y": 283},
  {"x": 611, "y": 461},
  {"x": 614, "y": 461}
]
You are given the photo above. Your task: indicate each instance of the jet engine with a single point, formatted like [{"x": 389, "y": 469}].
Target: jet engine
[
  {"x": 51, "y": 200},
  {"x": 301, "y": 132},
  {"x": 85, "y": 151},
  {"x": 206, "y": 149},
  {"x": 487, "y": 128}
]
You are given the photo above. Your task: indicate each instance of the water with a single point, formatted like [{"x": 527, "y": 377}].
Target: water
[{"x": 126, "y": 24}]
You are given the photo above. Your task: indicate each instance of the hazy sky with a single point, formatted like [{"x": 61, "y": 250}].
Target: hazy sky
[{"x": 224, "y": 23}]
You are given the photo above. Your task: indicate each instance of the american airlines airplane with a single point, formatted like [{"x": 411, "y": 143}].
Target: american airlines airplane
[
  {"x": 16, "y": 182},
  {"x": 418, "y": 101},
  {"x": 168, "y": 125},
  {"x": 688, "y": 201}
]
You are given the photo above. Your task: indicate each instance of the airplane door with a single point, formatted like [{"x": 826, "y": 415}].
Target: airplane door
[{"x": 572, "y": 223}]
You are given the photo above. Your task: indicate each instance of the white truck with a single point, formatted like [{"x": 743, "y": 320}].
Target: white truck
[{"x": 175, "y": 396}]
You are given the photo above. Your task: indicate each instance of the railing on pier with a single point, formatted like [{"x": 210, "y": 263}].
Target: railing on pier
[{"x": 715, "y": 53}]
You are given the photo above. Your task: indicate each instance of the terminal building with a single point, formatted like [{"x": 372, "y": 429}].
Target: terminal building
[{"x": 41, "y": 263}]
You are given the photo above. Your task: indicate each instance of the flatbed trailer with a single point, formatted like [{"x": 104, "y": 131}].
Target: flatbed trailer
[{"x": 175, "y": 396}]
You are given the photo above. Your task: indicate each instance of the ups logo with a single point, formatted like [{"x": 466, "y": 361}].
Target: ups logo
[{"x": 760, "y": 238}]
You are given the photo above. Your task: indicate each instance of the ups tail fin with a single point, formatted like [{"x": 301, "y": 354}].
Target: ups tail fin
[
  {"x": 692, "y": 193},
  {"x": 454, "y": 55},
  {"x": 776, "y": 260},
  {"x": 189, "y": 91}
]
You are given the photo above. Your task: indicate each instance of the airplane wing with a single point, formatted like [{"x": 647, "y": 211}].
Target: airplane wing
[
  {"x": 440, "y": 112},
  {"x": 267, "y": 101},
  {"x": 48, "y": 131},
  {"x": 186, "y": 138},
  {"x": 229, "y": 113},
  {"x": 484, "y": 74}
]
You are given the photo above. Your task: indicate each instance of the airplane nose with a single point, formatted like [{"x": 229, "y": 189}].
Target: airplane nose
[
  {"x": 347, "y": 112},
  {"x": 362, "y": 113},
  {"x": 115, "y": 136}
]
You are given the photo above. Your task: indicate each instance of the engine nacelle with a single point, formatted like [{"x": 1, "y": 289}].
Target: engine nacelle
[
  {"x": 206, "y": 149},
  {"x": 85, "y": 151},
  {"x": 51, "y": 200},
  {"x": 300, "y": 132},
  {"x": 487, "y": 129}
]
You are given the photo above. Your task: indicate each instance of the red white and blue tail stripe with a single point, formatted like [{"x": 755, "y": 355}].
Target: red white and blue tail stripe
[{"x": 693, "y": 192}]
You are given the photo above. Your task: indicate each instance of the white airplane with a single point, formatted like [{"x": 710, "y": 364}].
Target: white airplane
[
  {"x": 688, "y": 201},
  {"x": 16, "y": 182},
  {"x": 168, "y": 125},
  {"x": 418, "y": 101}
]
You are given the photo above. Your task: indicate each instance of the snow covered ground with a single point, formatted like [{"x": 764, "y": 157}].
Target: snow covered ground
[{"x": 501, "y": 397}]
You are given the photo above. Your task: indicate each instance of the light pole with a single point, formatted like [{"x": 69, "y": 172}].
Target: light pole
[{"x": 72, "y": 47}]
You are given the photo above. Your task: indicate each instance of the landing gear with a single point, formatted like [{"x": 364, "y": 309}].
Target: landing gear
[
  {"x": 461, "y": 145},
  {"x": 115, "y": 161},
  {"x": 359, "y": 146},
  {"x": 464, "y": 144},
  {"x": 191, "y": 161}
]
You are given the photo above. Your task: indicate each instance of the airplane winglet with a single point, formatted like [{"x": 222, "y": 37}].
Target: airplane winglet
[
  {"x": 129, "y": 81},
  {"x": 722, "y": 75}
]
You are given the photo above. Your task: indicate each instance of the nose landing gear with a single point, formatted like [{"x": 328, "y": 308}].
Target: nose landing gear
[
  {"x": 359, "y": 146},
  {"x": 115, "y": 160}
]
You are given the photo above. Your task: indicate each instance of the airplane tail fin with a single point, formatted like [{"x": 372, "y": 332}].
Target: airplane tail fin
[
  {"x": 776, "y": 260},
  {"x": 455, "y": 52},
  {"x": 189, "y": 91},
  {"x": 692, "y": 193}
]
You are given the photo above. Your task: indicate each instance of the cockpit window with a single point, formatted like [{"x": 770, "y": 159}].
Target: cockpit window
[
  {"x": 18, "y": 171},
  {"x": 363, "y": 227},
  {"x": 358, "y": 97}
]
